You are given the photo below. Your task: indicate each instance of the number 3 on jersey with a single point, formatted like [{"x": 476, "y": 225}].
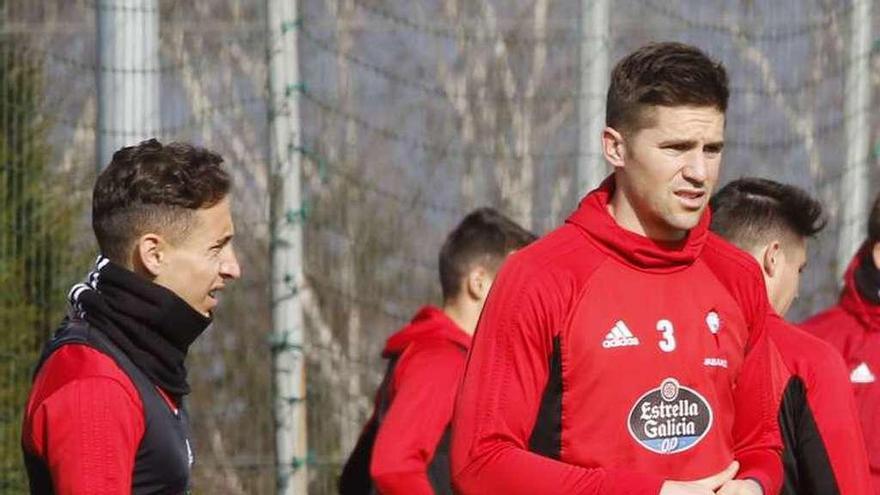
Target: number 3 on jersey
[{"x": 668, "y": 342}]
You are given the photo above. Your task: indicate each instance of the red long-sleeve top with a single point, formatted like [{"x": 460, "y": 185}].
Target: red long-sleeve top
[
  {"x": 431, "y": 353},
  {"x": 823, "y": 447},
  {"x": 605, "y": 362},
  {"x": 852, "y": 326},
  {"x": 85, "y": 417}
]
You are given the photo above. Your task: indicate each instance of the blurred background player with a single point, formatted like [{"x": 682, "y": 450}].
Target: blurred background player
[
  {"x": 852, "y": 326},
  {"x": 404, "y": 448},
  {"x": 823, "y": 448}
]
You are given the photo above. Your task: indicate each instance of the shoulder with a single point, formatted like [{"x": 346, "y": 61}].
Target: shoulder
[
  {"x": 740, "y": 275},
  {"x": 433, "y": 350},
  {"x": 730, "y": 262},
  {"x": 833, "y": 319},
  {"x": 81, "y": 410},
  {"x": 434, "y": 355},
  {"x": 77, "y": 364},
  {"x": 738, "y": 272},
  {"x": 560, "y": 261},
  {"x": 80, "y": 360},
  {"x": 805, "y": 354},
  {"x": 79, "y": 385}
]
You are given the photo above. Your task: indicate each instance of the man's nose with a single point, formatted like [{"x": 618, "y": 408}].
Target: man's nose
[
  {"x": 697, "y": 168},
  {"x": 230, "y": 268}
]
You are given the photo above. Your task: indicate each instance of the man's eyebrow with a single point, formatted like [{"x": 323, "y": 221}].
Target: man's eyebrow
[{"x": 678, "y": 143}]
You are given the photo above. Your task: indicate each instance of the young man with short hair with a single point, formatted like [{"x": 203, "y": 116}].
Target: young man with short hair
[
  {"x": 608, "y": 352},
  {"x": 405, "y": 445},
  {"x": 823, "y": 450},
  {"x": 105, "y": 413},
  {"x": 852, "y": 326}
]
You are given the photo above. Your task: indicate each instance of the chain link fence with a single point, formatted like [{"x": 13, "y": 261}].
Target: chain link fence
[{"x": 412, "y": 114}]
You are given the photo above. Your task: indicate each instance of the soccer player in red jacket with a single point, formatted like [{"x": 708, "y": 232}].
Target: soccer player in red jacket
[
  {"x": 852, "y": 326},
  {"x": 106, "y": 413},
  {"x": 404, "y": 448},
  {"x": 823, "y": 448},
  {"x": 606, "y": 358}
]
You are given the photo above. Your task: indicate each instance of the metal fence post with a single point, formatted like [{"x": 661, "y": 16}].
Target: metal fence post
[
  {"x": 127, "y": 74},
  {"x": 855, "y": 181},
  {"x": 594, "y": 48},
  {"x": 288, "y": 212}
]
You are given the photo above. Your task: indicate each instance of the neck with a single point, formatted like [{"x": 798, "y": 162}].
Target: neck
[
  {"x": 465, "y": 314},
  {"x": 149, "y": 323},
  {"x": 626, "y": 216}
]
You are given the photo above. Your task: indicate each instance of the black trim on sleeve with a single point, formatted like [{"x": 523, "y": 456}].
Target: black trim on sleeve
[
  {"x": 546, "y": 438},
  {"x": 808, "y": 470},
  {"x": 355, "y": 477}
]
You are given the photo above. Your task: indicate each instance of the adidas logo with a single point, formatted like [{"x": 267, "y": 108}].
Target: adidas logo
[
  {"x": 619, "y": 336},
  {"x": 862, "y": 374}
]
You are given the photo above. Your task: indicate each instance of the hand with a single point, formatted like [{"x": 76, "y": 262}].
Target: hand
[
  {"x": 705, "y": 486},
  {"x": 741, "y": 487}
]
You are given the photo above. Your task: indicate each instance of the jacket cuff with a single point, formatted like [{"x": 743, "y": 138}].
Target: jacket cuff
[{"x": 765, "y": 468}]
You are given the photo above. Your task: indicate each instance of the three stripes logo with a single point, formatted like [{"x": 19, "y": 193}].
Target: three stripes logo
[{"x": 620, "y": 336}]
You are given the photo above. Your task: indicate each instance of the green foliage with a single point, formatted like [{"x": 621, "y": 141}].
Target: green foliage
[{"x": 35, "y": 232}]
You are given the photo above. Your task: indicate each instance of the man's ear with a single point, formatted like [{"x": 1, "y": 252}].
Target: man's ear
[
  {"x": 149, "y": 254},
  {"x": 613, "y": 147},
  {"x": 477, "y": 283},
  {"x": 771, "y": 261}
]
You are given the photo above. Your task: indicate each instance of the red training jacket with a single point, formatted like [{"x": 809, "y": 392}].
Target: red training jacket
[
  {"x": 823, "y": 449},
  {"x": 86, "y": 415},
  {"x": 606, "y": 362},
  {"x": 853, "y": 328},
  {"x": 431, "y": 353}
]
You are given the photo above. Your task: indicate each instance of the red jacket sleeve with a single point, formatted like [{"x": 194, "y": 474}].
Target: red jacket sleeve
[
  {"x": 833, "y": 408},
  {"x": 87, "y": 429},
  {"x": 501, "y": 392},
  {"x": 425, "y": 382},
  {"x": 757, "y": 439}
]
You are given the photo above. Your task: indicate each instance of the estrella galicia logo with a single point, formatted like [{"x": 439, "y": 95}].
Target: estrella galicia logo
[{"x": 670, "y": 419}]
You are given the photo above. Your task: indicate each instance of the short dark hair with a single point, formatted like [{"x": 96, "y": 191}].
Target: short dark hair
[
  {"x": 153, "y": 187},
  {"x": 874, "y": 221},
  {"x": 750, "y": 210},
  {"x": 485, "y": 237},
  {"x": 665, "y": 74}
]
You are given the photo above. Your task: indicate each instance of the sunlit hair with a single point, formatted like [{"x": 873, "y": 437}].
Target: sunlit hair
[
  {"x": 751, "y": 211},
  {"x": 153, "y": 187},
  {"x": 483, "y": 237},
  {"x": 662, "y": 74}
]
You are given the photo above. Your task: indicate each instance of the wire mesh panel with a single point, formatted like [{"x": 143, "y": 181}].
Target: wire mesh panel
[
  {"x": 40, "y": 209},
  {"x": 211, "y": 74},
  {"x": 415, "y": 112},
  {"x": 213, "y": 92}
]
